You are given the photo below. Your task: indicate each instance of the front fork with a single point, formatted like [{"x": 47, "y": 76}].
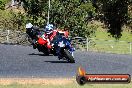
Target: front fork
[
  {"x": 60, "y": 50},
  {"x": 71, "y": 51}
]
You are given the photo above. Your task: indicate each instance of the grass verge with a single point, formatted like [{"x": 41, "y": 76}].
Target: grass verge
[
  {"x": 104, "y": 43},
  {"x": 53, "y": 83}
]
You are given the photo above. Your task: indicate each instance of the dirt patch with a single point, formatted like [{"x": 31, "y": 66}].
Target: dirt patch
[{"x": 42, "y": 81}]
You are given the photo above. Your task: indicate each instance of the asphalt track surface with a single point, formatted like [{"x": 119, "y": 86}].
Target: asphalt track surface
[{"x": 24, "y": 61}]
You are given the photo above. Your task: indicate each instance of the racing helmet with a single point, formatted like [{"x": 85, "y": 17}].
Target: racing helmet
[
  {"x": 49, "y": 28},
  {"x": 29, "y": 25}
]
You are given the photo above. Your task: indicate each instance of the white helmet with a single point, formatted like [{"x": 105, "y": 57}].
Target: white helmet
[
  {"x": 29, "y": 25},
  {"x": 49, "y": 28}
]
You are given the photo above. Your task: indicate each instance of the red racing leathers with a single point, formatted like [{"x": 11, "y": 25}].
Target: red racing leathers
[{"x": 47, "y": 38}]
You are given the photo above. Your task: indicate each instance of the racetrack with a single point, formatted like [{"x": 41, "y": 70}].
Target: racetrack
[{"x": 24, "y": 61}]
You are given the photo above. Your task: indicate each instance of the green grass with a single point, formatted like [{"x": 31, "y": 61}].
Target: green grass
[
  {"x": 121, "y": 46},
  {"x": 126, "y": 36},
  {"x": 73, "y": 85},
  {"x": 113, "y": 46}
]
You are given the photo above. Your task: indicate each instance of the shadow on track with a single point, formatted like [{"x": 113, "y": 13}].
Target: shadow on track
[
  {"x": 40, "y": 54},
  {"x": 56, "y": 61}
]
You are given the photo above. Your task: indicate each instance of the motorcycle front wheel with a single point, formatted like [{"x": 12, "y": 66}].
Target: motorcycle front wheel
[{"x": 68, "y": 56}]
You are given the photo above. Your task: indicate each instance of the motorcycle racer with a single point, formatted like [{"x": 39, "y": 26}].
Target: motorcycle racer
[
  {"x": 50, "y": 34},
  {"x": 33, "y": 32},
  {"x": 29, "y": 28}
]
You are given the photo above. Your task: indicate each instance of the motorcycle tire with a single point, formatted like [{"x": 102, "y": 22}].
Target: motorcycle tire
[
  {"x": 45, "y": 51},
  {"x": 68, "y": 56}
]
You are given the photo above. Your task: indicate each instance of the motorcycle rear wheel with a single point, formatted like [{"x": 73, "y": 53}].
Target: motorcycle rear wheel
[{"x": 43, "y": 49}]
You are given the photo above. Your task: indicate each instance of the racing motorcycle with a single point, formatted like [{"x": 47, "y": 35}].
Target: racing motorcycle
[
  {"x": 63, "y": 48},
  {"x": 42, "y": 47},
  {"x": 35, "y": 40}
]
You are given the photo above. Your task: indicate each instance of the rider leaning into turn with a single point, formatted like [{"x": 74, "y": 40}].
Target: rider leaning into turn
[
  {"x": 50, "y": 33},
  {"x": 33, "y": 32}
]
